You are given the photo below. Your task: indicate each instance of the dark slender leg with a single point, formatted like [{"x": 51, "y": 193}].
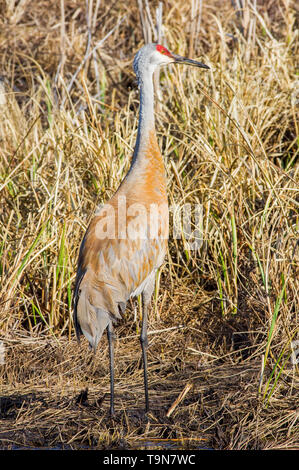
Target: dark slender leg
[
  {"x": 144, "y": 345},
  {"x": 146, "y": 299},
  {"x": 110, "y": 335}
]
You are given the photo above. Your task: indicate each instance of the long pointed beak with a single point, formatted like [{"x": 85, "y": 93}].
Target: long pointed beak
[{"x": 184, "y": 60}]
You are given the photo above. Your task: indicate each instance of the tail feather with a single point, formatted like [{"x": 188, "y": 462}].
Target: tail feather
[
  {"x": 94, "y": 308},
  {"x": 91, "y": 320},
  {"x": 79, "y": 278}
]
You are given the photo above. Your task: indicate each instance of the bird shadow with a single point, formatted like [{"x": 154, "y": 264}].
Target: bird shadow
[{"x": 133, "y": 414}]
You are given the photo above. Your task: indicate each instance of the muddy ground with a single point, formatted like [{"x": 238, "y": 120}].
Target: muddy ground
[{"x": 55, "y": 392}]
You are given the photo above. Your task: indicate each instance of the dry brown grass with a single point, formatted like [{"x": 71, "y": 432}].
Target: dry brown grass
[{"x": 225, "y": 317}]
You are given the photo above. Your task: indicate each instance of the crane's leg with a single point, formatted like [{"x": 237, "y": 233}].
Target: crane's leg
[
  {"x": 111, "y": 338},
  {"x": 144, "y": 345},
  {"x": 146, "y": 298}
]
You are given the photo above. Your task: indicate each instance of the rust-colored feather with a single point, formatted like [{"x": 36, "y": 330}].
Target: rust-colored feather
[{"x": 116, "y": 259}]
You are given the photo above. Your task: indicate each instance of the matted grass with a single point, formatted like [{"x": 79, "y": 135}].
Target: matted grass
[{"x": 224, "y": 317}]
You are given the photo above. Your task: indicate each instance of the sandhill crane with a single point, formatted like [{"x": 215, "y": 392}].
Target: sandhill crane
[{"x": 126, "y": 240}]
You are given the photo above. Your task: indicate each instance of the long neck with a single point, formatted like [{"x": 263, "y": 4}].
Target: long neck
[
  {"x": 147, "y": 171},
  {"x": 146, "y": 125},
  {"x": 147, "y": 167}
]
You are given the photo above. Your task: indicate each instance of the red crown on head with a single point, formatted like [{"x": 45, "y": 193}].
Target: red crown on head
[{"x": 163, "y": 50}]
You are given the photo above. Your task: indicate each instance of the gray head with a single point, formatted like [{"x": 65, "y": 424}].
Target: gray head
[{"x": 152, "y": 55}]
